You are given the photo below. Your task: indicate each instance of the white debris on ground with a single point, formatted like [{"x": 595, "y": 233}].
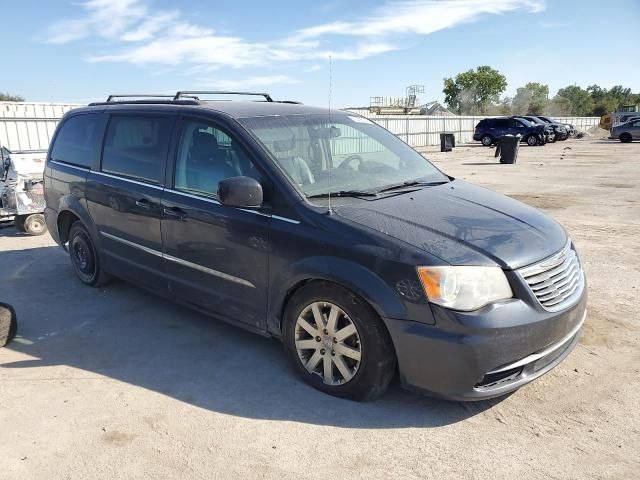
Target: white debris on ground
[{"x": 595, "y": 132}]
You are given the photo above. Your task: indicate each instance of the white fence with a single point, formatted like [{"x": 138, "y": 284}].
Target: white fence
[
  {"x": 29, "y": 126},
  {"x": 424, "y": 130}
]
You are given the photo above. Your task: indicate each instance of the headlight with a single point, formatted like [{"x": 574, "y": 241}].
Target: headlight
[{"x": 464, "y": 288}]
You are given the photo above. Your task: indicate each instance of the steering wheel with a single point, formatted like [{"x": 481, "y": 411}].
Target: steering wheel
[{"x": 350, "y": 159}]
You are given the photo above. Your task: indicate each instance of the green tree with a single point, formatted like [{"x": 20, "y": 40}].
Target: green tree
[
  {"x": 532, "y": 99},
  {"x": 559, "y": 107},
  {"x": 7, "y": 97},
  {"x": 579, "y": 99},
  {"x": 474, "y": 91}
]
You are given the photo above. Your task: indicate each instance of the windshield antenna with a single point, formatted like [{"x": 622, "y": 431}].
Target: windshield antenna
[{"x": 330, "y": 211}]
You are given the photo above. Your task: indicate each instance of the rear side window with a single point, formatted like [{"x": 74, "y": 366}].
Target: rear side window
[
  {"x": 500, "y": 123},
  {"x": 136, "y": 146},
  {"x": 79, "y": 140}
]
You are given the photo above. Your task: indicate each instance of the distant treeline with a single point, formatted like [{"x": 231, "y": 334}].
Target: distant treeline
[{"x": 479, "y": 91}]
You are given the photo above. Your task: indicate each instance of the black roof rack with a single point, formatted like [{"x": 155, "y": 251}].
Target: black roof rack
[
  {"x": 191, "y": 93},
  {"x": 111, "y": 98},
  {"x": 183, "y": 97}
]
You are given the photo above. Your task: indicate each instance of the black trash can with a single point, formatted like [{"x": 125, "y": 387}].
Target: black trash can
[
  {"x": 507, "y": 148},
  {"x": 447, "y": 142}
]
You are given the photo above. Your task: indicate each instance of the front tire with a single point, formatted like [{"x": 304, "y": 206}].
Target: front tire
[
  {"x": 337, "y": 343},
  {"x": 85, "y": 258},
  {"x": 626, "y": 138},
  {"x": 486, "y": 140},
  {"x": 8, "y": 324},
  {"x": 532, "y": 140}
]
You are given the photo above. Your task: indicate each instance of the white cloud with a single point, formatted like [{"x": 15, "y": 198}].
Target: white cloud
[
  {"x": 314, "y": 68},
  {"x": 420, "y": 17},
  {"x": 164, "y": 37},
  {"x": 104, "y": 18},
  {"x": 250, "y": 82}
]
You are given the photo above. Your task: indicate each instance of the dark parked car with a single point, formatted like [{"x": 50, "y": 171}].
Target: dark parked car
[
  {"x": 571, "y": 130},
  {"x": 489, "y": 130},
  {"x": 559, "y": 129},
  {"x": 627, "y": 132},
  {"x": 324, "y": 230}
]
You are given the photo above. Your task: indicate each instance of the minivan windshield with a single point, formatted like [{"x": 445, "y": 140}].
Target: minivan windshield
[{"x": 344, "y": 154}]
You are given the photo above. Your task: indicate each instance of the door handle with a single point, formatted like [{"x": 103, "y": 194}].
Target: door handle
[
  {"x": 175, "y": 212},
  {"x": 143, "y": 203}
]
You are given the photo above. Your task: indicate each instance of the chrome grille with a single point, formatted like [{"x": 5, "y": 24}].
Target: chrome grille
[{"x": 557, "y": 280}]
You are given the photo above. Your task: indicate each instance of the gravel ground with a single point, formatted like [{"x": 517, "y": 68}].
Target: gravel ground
[{"x": 117, "y": 383}]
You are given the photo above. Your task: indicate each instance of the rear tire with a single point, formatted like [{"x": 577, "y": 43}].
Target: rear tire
[
  {"x": 357, "y": 365},
  {"x": 532, "y": 140},
  {"x": 626, "y": 138},
  {"x": 486, "y": 140},
  {"x": 85, "y": 258},
  {"x": 35, "y": 224}
]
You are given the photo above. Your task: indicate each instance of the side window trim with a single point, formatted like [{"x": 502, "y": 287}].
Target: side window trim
[{"x": 165, "y": 159}]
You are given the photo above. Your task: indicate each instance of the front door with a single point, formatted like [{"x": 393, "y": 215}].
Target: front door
[
  {"x": 124, "y": 197},
  {"x": 215, "y": 256}
]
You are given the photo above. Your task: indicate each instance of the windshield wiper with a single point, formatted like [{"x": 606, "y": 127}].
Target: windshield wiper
[
  {"x": 345, "y": 193},
  {"x": 412, "y": 183}
]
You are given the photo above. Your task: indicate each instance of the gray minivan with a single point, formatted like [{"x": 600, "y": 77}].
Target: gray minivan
[{"x": 321, "y": 229}]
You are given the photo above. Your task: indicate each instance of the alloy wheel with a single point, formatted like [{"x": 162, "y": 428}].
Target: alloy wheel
[{"x": 328, "y": 343}]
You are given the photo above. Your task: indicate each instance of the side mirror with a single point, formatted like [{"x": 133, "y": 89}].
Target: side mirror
[
  {"x": 8, "y": 324},
  {"x": 243, "y": 192}
]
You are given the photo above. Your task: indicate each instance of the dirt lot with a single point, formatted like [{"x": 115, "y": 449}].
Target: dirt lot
[{"x": 117, "y": 383}]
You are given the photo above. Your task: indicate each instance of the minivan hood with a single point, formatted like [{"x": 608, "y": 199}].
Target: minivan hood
[{"x": 462, "y": 224}]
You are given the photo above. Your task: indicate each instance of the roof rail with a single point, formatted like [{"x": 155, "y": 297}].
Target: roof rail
[
  {"x": 191, "y": 93},
  {"x": 110, "y": 98}
]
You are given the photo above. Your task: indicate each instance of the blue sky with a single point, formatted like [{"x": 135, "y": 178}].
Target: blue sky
[{"x": 79, "y": 51}]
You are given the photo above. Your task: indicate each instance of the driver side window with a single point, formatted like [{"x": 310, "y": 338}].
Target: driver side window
[{"x": 206, "y": 156}]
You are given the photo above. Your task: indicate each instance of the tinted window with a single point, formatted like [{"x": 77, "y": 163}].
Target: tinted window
[
  {"x": 136, "y": 146},
  {"x": 206, "y": 156},
  {"x": 500, "y": 123},
  {"x": 78, "y": 140}
]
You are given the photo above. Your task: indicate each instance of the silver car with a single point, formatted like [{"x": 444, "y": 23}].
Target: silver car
[{"x": 627, "y": 132}]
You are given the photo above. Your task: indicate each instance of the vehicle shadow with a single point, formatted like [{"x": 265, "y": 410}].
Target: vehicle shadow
[
  {"x": 482, "y": 163},
  {"x": 8, "y": 230},
  {"x": 127, "y": 334}
]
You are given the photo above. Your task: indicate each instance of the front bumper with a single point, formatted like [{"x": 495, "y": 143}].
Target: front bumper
[{"x": 487, "y": 353}]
